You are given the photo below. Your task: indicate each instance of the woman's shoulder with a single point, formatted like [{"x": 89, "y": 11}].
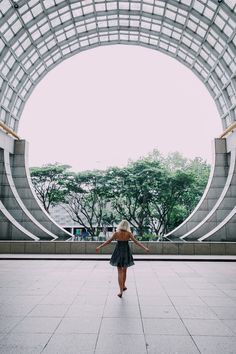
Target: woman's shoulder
[
  {"x": 114, "y": 235},
  {"x": 130, "y": 234}
]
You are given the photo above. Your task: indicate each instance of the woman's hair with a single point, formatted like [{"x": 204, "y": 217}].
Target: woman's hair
[{"x": 123, "y": 225}]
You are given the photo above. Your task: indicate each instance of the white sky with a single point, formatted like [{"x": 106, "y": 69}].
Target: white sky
[{"x": 106, "y": 105}]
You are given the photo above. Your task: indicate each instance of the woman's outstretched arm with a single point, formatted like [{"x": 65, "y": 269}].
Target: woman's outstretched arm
[
  {"x": 138, "y": 243},
  {"x": 106, "y": 242}
]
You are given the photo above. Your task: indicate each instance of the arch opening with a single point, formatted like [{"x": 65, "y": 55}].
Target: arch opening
[
  {"x": 103, "y": 93},
  {"x": 36, "y": 35}
]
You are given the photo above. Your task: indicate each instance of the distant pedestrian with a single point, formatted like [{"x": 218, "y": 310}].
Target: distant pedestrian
[{"x": 122, "y": 257}]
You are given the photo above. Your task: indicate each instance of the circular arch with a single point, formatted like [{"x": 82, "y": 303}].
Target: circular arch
[{"x": 37, "y": 35}]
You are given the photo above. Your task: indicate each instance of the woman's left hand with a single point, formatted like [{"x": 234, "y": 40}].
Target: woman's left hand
[{"x": 97, "y": 249}]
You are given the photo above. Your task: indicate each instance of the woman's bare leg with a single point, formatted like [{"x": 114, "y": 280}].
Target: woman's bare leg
[
  {"x": 124, "y": 277},
  {"x": 120, "y": 280}
]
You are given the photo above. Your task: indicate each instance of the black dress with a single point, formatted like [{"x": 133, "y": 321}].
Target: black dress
[{"x": 122, "y": 256}]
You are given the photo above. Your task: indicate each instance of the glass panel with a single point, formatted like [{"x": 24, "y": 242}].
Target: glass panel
[
  {"x": 178, "y": 27},
  {"x": 5, "y": 5}
]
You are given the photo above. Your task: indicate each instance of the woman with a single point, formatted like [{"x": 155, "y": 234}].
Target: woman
[{"x": 122, "y": 257}]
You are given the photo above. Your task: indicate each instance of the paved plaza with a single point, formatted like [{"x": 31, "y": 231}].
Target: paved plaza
[{"x": 70, "y": 306}]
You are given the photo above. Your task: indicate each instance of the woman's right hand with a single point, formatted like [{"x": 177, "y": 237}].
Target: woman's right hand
[
  {"x": 146, "y": 249},
  {"x": 97, "y": 249}
]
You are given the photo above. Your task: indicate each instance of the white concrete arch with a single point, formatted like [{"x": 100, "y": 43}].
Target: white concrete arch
[
  {"x": 214, "y": 188},
  {"x": 37, "y": 35},
  {"x": 222, "y": 207}
]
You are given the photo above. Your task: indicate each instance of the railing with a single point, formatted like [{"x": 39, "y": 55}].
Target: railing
[{"x": 8, "y": 130}]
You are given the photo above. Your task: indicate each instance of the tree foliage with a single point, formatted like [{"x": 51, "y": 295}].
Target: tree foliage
[
  {"x": 50, "y": 183},
  {"x": 87, "y": 201},
  {"x": 154, "y": 193},
  {"x": 148, "y": 192},
  {"x": 185, "y": 181}
]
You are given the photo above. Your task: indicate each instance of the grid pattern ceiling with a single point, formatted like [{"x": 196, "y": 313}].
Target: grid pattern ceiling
[{"x": 36, "y": 35}]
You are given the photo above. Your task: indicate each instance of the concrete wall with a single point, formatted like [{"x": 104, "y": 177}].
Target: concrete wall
[
  {"x": 21, "y": 215},
  {"x": 164, "y": 248},
  {"x": 23, "y": 218},
  {"x": 214, "y": 217},
  {"x": 216, "y": 183}
]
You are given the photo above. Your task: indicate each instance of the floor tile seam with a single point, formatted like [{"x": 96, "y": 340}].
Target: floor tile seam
[
  {"x": 144, "y": 334},
  {"x": 5, "y": 334},
  {"x": 147, "y": 334},
  {"x": 183, "y": 322},
  {"x": 201, "y": 297},
  {"x": 185, "y": 280},
  {"x": 188, "y": 331},
  {"x": 52, "y": 334},
  {"x": 162, "y": 287},
  {"x": 203, "y": 335},
  {"x": 104, "y": 306},
  {"x": 223, "y": 321},
  {"x": 230, "y": 296},
  {"x": 49, "y": 293},
  {"x": 24, "y": 317},
  {"x": 214, "y": 335},
  {"x": 122, "y": 317},
  {"x": 205, "y": 302},
  {"x": 62, "y": 317}
]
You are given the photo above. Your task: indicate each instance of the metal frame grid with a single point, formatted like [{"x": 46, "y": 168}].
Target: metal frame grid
[{"x": 36, "y": 35}]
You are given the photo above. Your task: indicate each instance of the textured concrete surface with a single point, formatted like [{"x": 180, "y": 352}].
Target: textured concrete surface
[
  {"x": 89, "y": 247},
  {"x": 21, "y": 215},
  {"x": 72, "y": 307}
]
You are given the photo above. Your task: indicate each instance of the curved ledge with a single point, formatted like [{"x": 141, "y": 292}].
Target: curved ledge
[
  {"x": 215, "y": 185},
  {"x": 16, "y": 207},
  {"x": 22, "y": 180},
  {"x": 221, "y": 209},
  {"x": 11, "y": 229},
  {"x": 227, "y": 229}
]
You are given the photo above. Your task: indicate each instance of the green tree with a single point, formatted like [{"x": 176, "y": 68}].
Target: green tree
[
  {"x": 87, "y": 201},
  {"x": 130, "y": 191},
  {"x": 50, "y": 183},
  {"x": 154, "y": 193},
  {"x": 201, "y": 170},
  {"x": 184, "y": 183},
  {"x": 168, "y": 199},
  {"x": 121, "y": 185}
]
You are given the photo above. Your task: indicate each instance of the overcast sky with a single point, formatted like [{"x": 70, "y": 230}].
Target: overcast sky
[{"x": 110, "y": 104}]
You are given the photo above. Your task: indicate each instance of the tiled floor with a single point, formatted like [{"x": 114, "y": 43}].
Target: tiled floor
[{"x": 71, "y": 307}]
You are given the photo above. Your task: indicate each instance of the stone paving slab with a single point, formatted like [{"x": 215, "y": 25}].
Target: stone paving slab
[{"x": 72, "y": 307}]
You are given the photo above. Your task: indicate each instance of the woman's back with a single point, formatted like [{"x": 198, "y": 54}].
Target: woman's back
[{"x": 122, "y": 235}]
